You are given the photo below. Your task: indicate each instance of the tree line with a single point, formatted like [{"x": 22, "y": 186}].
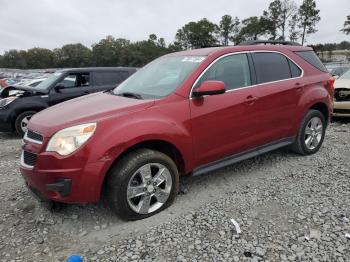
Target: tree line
[{"x": 282, "y": 20}]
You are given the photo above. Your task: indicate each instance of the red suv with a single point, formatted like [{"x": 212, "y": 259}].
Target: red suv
[{"x": 185, "y": 113}]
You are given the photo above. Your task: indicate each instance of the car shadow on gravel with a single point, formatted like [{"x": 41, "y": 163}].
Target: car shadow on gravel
[
  {"x": 9, "y": 136},
  {"x": 343, "y": 120}
]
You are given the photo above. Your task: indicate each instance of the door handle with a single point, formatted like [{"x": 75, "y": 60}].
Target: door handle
[
  {"x": 86, "y": 92},
  {"x": 251, "y": 99}
]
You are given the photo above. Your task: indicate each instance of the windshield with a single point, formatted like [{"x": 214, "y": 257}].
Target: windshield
[
  {"x": 346, "y": 75},
  {"x": 44, "y": 85},
  {"x": 159, "y": 78}
]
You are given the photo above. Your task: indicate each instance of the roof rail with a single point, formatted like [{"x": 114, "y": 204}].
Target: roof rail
[{"x": 270, "y": 42}]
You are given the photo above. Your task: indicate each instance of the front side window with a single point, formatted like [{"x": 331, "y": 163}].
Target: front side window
[
  {"x": 271, "y": 67},
  {"x": 76, "y": 80},
  {"x": 160, "y": 78},
  {"x": 233, "y": 70}
]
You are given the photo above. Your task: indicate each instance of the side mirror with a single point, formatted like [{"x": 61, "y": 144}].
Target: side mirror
[
  {"x": 59, "y": 87},
  {"x": 210, "y": 87}
]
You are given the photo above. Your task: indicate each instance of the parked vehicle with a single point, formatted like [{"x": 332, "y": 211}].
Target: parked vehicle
[
  {"x": 185, "y": 113},
  {"x": 20, "y": 103},
  {"x": 338, "y": 71},
  {"x": 342, "y": 96}
]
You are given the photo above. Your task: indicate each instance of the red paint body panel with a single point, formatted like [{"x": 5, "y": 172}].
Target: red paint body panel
[{"x": 202, "y": 129}]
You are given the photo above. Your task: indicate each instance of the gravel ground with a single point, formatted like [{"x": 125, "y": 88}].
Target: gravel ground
[{"x": 288, "y": 207}]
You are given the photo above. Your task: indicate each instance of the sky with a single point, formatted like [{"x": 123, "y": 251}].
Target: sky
[{"x": 52, "y": 23}]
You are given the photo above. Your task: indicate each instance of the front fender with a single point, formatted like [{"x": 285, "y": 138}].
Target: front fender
[{"x": 116, "y": 135}]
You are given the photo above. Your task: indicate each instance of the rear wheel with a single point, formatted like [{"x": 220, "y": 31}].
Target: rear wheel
[
  {"x": 22, "y": 121},
  {"x": 142, "y": 184},
  {"x": 311, "y": 133}
]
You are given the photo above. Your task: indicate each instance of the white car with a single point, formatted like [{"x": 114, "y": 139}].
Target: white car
[{"x": 342, "y": 95}]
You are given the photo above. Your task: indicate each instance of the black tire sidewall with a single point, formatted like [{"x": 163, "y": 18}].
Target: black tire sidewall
[
  {"x": 121, "y": 175},
  {"x": 19, "y": 119},
  {"x": 311, "y": 114}
]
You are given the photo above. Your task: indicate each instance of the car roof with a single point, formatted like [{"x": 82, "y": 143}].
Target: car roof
[
  {"x": 96, "y": 69},
  {"x": 231, "y": 49}
]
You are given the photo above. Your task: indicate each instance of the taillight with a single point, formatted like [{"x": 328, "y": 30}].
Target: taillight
[{"x": 330, "y": 84}]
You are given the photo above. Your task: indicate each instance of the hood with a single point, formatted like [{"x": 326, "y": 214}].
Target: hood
[
  {"x": 342, "y": 83},
  {"x": 16, "y": 90},
  {"x": 90, "y": 108}
]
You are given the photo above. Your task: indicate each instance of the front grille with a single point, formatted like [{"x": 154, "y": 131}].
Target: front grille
[
  {"x": 34, "y": 136},
  {"x": 29, "y": 158},
  {"x": 341, "y": 111}
]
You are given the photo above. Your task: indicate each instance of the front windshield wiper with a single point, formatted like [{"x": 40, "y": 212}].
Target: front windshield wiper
[{"x": 130, "y": 94}]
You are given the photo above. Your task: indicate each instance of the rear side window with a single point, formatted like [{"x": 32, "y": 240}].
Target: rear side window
[
  {"x": 109, "y": 78},
  {"x": 271, "y": 67},
  {"x": 312, "y": 58}
]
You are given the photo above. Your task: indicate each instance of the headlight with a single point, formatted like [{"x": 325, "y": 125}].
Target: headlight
[
  {"x": 4, "y": 102},
  {"x": 68, "y": 140}
]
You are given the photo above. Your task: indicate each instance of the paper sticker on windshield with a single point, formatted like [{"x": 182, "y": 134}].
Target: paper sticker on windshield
[{"x": 193, "y": 59}]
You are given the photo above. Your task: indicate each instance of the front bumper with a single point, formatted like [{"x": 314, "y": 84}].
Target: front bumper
[
  {"x": 68, "y": 179},
  {"x": 341, "y": 108}
]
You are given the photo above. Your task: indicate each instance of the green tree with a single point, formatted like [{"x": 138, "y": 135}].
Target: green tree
[
  {"x": 346, "y": 28},
  {"x": 253, "y": 27},
  {"x": 294, "y": 33},
  {"x": 73, "y": 55},
  {"x": 197, "y": 34},
  {"x": 273, "y": 18},
  {"x": 308, "y": 18},
  {"x": 142, "y": 52},
  {"x": 277, "y": 18},
  {"x": 289, "y": 9},
  {"x": 228, "y": 29},
  {"x": 40, "y": 58},
  {"x": 343, "y": 45},
  {"x": 15, "y": 59},
  {"x": 110, "y": 52}
]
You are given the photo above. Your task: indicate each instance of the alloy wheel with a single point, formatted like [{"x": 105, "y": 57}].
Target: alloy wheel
[
  {"x": 313, "y": 133},
  {"x": 25, "y": 122},
  {"x": 149, "y": 188}
]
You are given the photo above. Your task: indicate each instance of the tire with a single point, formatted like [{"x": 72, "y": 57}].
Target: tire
[
  {"x": 310, "y": 130},
  {"x": 22, "y": 121},
  {"x": 134, "y": 194}
]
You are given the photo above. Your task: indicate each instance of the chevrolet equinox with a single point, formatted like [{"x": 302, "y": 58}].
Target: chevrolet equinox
[{"x": 188, "y": 112}]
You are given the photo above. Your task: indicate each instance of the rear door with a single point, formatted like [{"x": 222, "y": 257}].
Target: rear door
[
  {"x": 105, "y": 80},
  {"x": 73, "y": 85},
  {"x": 280, "y": 87}
]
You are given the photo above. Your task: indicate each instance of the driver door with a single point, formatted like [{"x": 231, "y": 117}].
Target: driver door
[
  {"x": 72, "y": 85},
  {"x": 225, "y": 124}
]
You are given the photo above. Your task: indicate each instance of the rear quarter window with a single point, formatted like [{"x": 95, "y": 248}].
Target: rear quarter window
[{"x": 312, "y": 58}]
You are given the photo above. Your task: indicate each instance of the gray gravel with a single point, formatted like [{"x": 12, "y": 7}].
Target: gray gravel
[{"x": 289, "y": 208}]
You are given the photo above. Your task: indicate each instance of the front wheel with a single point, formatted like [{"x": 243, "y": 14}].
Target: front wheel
[
  {"x": 22, "y": 121},
  {"x": 142, "y": 184},
  {"x": 311, "y": 133}
]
